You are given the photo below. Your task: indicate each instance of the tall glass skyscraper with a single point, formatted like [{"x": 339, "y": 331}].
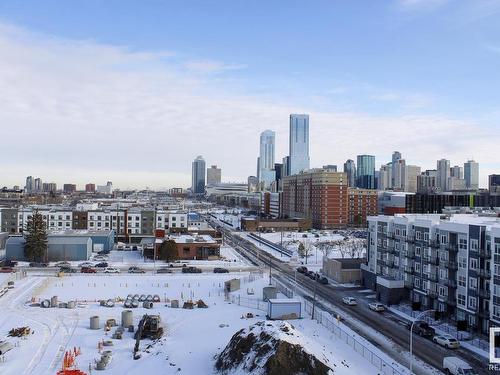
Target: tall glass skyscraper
[
  {"x": 366, "y": 172},
  {"x": 299, "y": 144},
  {"x": 265, "y": 162},
  {"x": 471, "y": 174},
  {"x": 350, "y": 169},
  {"x": 198, "y": 176}
]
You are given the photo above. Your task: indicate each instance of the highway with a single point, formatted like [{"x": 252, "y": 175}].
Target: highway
[{"x": 386, "y": 323}]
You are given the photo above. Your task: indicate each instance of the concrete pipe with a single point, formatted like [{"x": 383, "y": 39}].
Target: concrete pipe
[
  {"x": 102, "y": 302},
  {"x": 45, "y": 303},
  {"x": 135, "y": 304},
  {"x": 142, "y": 298},
  {"x": 127, "y": 318},
  {"x": 62, "y": 305},
  {"x": 94, "y": 322},
  {"x": 53, "y": 301},
  {"x": 71, "y": 304},
  {"x": 156, "y": 298},
  {"x": 136, "y": 297},
  {"x": 5, "y": 347},
  {"x": 147, "y": 304},
  {"x": 149, "y": 298},
  {"x": 110, "y": 303}
]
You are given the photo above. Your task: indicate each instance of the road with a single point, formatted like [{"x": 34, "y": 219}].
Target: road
[{"x": 387, "y": 323}]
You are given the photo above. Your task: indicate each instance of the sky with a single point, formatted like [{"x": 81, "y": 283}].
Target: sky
[{"x": 132, "y": 91}]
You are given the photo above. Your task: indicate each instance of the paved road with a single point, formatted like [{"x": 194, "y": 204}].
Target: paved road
[{"x": 387, "y": 323}]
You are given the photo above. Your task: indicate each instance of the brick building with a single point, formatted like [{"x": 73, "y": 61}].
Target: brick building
[{"x": 325, "y": 198}]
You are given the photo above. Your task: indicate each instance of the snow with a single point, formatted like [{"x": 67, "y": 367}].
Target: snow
[{"x": 192, "y": 339}]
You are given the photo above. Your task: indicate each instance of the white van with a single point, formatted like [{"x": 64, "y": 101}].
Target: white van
[{"x": 455, "y": 366}]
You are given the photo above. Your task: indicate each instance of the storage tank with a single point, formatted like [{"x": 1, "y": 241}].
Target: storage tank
[
  {"x": 53, "y": 301},
  {"x": 269, "y": 292},
  {"x": 127, "y": 318},
  {"x": 94, "y": 322},
  {"x": 71, "y": 304}
]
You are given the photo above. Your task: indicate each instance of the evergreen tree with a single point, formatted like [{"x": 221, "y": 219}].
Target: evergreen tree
[
  {"x": 168, "y": 251},
  {"x": 35, "y": 249}
]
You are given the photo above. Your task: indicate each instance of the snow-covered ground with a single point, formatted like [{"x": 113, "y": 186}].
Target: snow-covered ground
[
  {"x": 193, "y": 337},
  {"x": 316, "y": 244}
]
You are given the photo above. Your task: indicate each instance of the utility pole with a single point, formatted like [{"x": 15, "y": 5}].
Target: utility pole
[{"x": 270, "y": 270}]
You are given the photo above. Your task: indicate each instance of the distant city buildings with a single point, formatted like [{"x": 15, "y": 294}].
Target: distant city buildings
[
  {"x": 265, "y": 162},
  {"x": 198, "y": 175},
  {"x": 365, "y": 173},
  {"x": 69, "y": 188},
  {"x": 90, "y": 188},
  {"x": 494, "y": 184},
  {"x": 471, "y": 175},
  {"x": 214, "y": 175},
  {"x": 443, "y": 174},
  {"x": 298, "y": 144},
  {"x": 350, "y": 170}
]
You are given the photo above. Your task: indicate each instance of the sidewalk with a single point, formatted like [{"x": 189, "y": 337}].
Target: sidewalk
[{"x": 475, "y": 345}]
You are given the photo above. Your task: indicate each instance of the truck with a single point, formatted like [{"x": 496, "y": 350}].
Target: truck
[
  {"x": 456, "y": 366},
  {"x": 422, "y": 329}
]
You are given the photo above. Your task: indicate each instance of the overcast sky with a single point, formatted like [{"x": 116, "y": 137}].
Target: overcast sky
[{"x": 133, "y": 91}]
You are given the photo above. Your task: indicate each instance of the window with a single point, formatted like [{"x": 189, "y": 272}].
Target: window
[
  {"x": 426, "y": 236},
  {"x": 443, "y": 274},
  {"x": 472, "y": 282},
  {"x": 461, "y": 299},
  {"x": 442, "y": 291},
  {"x": 472, "y": 302},
  {"x": 473, "y": 263},
  {"x": 462, "y": 280},
  {"x": 462, "y": 262},
  {"x": 417, "y": 250},
  {"x": 443, "y": 238},
  {"x": 418, "y": 235},
  {"x": 462, "y": 243},
  {"x": 496, "y": 311},
  {"x": 496, "y": 269},
  {"x": 417, "y": 282},
  {"x": 474, "y": 245},
  {"x": 417, "y": 267}
]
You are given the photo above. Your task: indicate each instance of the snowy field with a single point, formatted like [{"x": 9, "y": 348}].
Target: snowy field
[
  {"x": 316, "y": 244},
  {"x": 193, "y": 337}
]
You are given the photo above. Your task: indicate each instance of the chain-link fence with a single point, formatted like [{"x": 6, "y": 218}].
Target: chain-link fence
[
  {"x": 333, "y": 326},
  {"x": 252, "y": 303}
]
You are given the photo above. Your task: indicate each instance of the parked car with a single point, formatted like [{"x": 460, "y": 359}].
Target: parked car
[
  {"x": 301, "y": 269},
  {"x": 447, "y": 341},
  {"x": 134, "y": 248},
  {"x": 220, "y": 270},
  {"x": 323, "y": 280},
  {"x": 119, "y": 247},
  {"x": 100, "y": 257},
  {"x": 88, "y": 270},
  {"x": 67, "y": 270},
  {"x": 422, "y": 329},
  {"x": 7, "y": 270},
  {"x": 127, "y": 248},
  {"x": 111, "y": 270},
  {"x": 376, "y": 306},
  {"x": 63, "y": 264},
  {"x": 191, "y": 270},
  {"x": 101, "y": 265},
  {"x": 164, "y": 270},
  {"x": 310, "y": 274},
  {"x": 8, "y": 263},
  {"x": 135, "y": 270},
  {"x": 456, "y": 366},
  {"x": 86, "y": 264},
  {"x": 351, "y": 301},
  {"x": 38, "y": 264}
]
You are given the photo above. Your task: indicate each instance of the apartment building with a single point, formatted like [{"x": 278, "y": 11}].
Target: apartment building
[
  {"x": 325, "y": 198},
  {"x": 449, "y": 264}
]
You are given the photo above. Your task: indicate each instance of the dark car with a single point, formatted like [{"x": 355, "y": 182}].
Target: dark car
[
  {"x": 38, "y": 264},
  {"x": 323, "y": 280},
  {"x": 9, "y": 263},
  {"x": 220, "y": 270},
  {"x": 67, "y": 270},
  {"x": 421, "y": 328},
  {"x": 88, "y": 270},
  {"x": 311, "y": 274},
  {"x": 164, "y": 270},
  {"x": 102, "y": 265},
  {"x": 7, "y": 270},
  {"x": 301, "y": 269},
  {"x": 191, "y": 270}
]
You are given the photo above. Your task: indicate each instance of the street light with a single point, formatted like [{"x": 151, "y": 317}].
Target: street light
[{"x": 411, "y": 336}]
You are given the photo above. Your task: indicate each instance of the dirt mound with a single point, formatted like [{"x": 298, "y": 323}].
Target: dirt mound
[{"x": 265, "y": 348}]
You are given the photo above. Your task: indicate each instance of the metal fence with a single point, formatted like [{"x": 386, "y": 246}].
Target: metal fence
[
  {"x": 333, "y": 326},
  {"x": 282, "y": 288},
  {"x": 252, "y": 303}
]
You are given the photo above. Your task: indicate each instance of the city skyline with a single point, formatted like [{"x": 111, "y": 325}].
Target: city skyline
[{"x": 77, "y": 91}]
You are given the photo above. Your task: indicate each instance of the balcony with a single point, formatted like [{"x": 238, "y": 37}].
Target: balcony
[
  {"x": 434, "y": 261},
  {"x": 432, "y": 294},
  {"x": 434, "y": 243},
  {"x": 408, "y": 254},
  {"x": 450, "y": 283},
  {"x": 451, "y": 247},
  {"x": 484, "y": 253},
  {"x": 450, "y": 265},
  {"x": 484, "y": 293},
  {"x": 410, "y": 239},
  {"x": 485, "y": 314},
  {"x": 452, "y": 301},
  {"x": 409, "y": 270},
  {"x": 485, "y": 274},
  {"x": 409, "y": 284}
]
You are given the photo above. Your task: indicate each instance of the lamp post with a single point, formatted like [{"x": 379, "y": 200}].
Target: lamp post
[{"x": 411, "y": 337}]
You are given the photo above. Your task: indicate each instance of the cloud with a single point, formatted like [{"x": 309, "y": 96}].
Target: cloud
[
  {"x": 81, "y": 111},
  {"x": 421, "y": 4},
  {"x": 211, "y": 66}
]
